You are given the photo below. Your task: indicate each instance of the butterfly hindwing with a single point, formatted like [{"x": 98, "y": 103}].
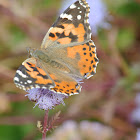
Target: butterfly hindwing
[
  {"x": 78, "y": 61},
  {"x": 87, "y": 59},
  {"x": 64, "y": 83}
]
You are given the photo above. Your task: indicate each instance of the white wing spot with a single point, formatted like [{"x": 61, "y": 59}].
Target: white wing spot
[
  {"x": 18, "y": 85},
  {"x": 78, "y": 8},
  {"x": 29, "y": 81},
  {"x": 24, "y": 88},
  {"x": 16, "y": 79},
  {"x": 93, "y": 43},
  {"x": 21, "y": 74},
  {"x": 80, "y": 11},
  {"x": 44, "y": 87},
  {"x": 36, "y": 86},
  {"x": 72, "y": 6},
  {"x": 69, "y": 17},
  {"x": 79, "y": 17},
  {"x": 31, "y": 87},
  {"x": 82, "y": 4}
]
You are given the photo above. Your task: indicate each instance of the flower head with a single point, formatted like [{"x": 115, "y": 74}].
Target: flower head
[
  {"x": 135, "y": 114},
  {"x": 84, "y": 130},
  {"x": 45, "y": 99},
  {"x": 98, "y": 14}
]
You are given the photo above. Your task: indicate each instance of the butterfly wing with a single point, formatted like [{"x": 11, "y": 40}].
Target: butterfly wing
[
  {"x": 29, "y": 76},
  {"x": 78, "y": 61},
  {"x": 70, "y": 65},
  {"x": 64, "y": 83},
  {"x": 71, "y": 28},
  {"x": 83, "y": 59}
]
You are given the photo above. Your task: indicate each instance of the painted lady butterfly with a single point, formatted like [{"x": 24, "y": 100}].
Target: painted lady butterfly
[{"x": 67, "y": 55}]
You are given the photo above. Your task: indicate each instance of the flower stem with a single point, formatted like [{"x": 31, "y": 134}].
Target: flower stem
[{"x": 45, "y": 125}]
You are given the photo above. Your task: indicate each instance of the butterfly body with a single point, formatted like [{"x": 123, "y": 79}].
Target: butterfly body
[{"x": 66, "y": 57}]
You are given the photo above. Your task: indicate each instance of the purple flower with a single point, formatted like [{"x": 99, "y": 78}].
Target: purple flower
[
  {"x": 98, "y": 14},
  {"x": 45, "y": 99},
  {"x": 138, "y": 134},
  {"x": 135, "y": 114},
  {"x": 71, "y": 130}
]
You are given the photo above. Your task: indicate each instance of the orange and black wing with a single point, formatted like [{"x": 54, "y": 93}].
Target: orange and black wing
[
  {"x": 29, "y": 76},
  {"x": 71, "y": 28}
]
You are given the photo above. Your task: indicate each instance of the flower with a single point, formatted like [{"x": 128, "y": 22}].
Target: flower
[
  {"x": 98, "y": 14},
  {"x": 135, "y": 114},
  {"x": 45, "y": 99},
  {"x": 138, "y": 134},
  {"x": 85, "y": 130},
  {"x": 96, "y": 131}
]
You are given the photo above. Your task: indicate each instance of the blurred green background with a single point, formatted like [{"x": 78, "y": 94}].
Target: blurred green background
[{"x": 106, "y": 98}]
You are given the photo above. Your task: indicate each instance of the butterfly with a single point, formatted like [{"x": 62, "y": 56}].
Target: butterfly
[{"x": 67, "y": 55}]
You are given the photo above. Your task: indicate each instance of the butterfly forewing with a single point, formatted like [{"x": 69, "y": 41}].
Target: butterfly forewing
[{"x": 71, "y": 28}]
